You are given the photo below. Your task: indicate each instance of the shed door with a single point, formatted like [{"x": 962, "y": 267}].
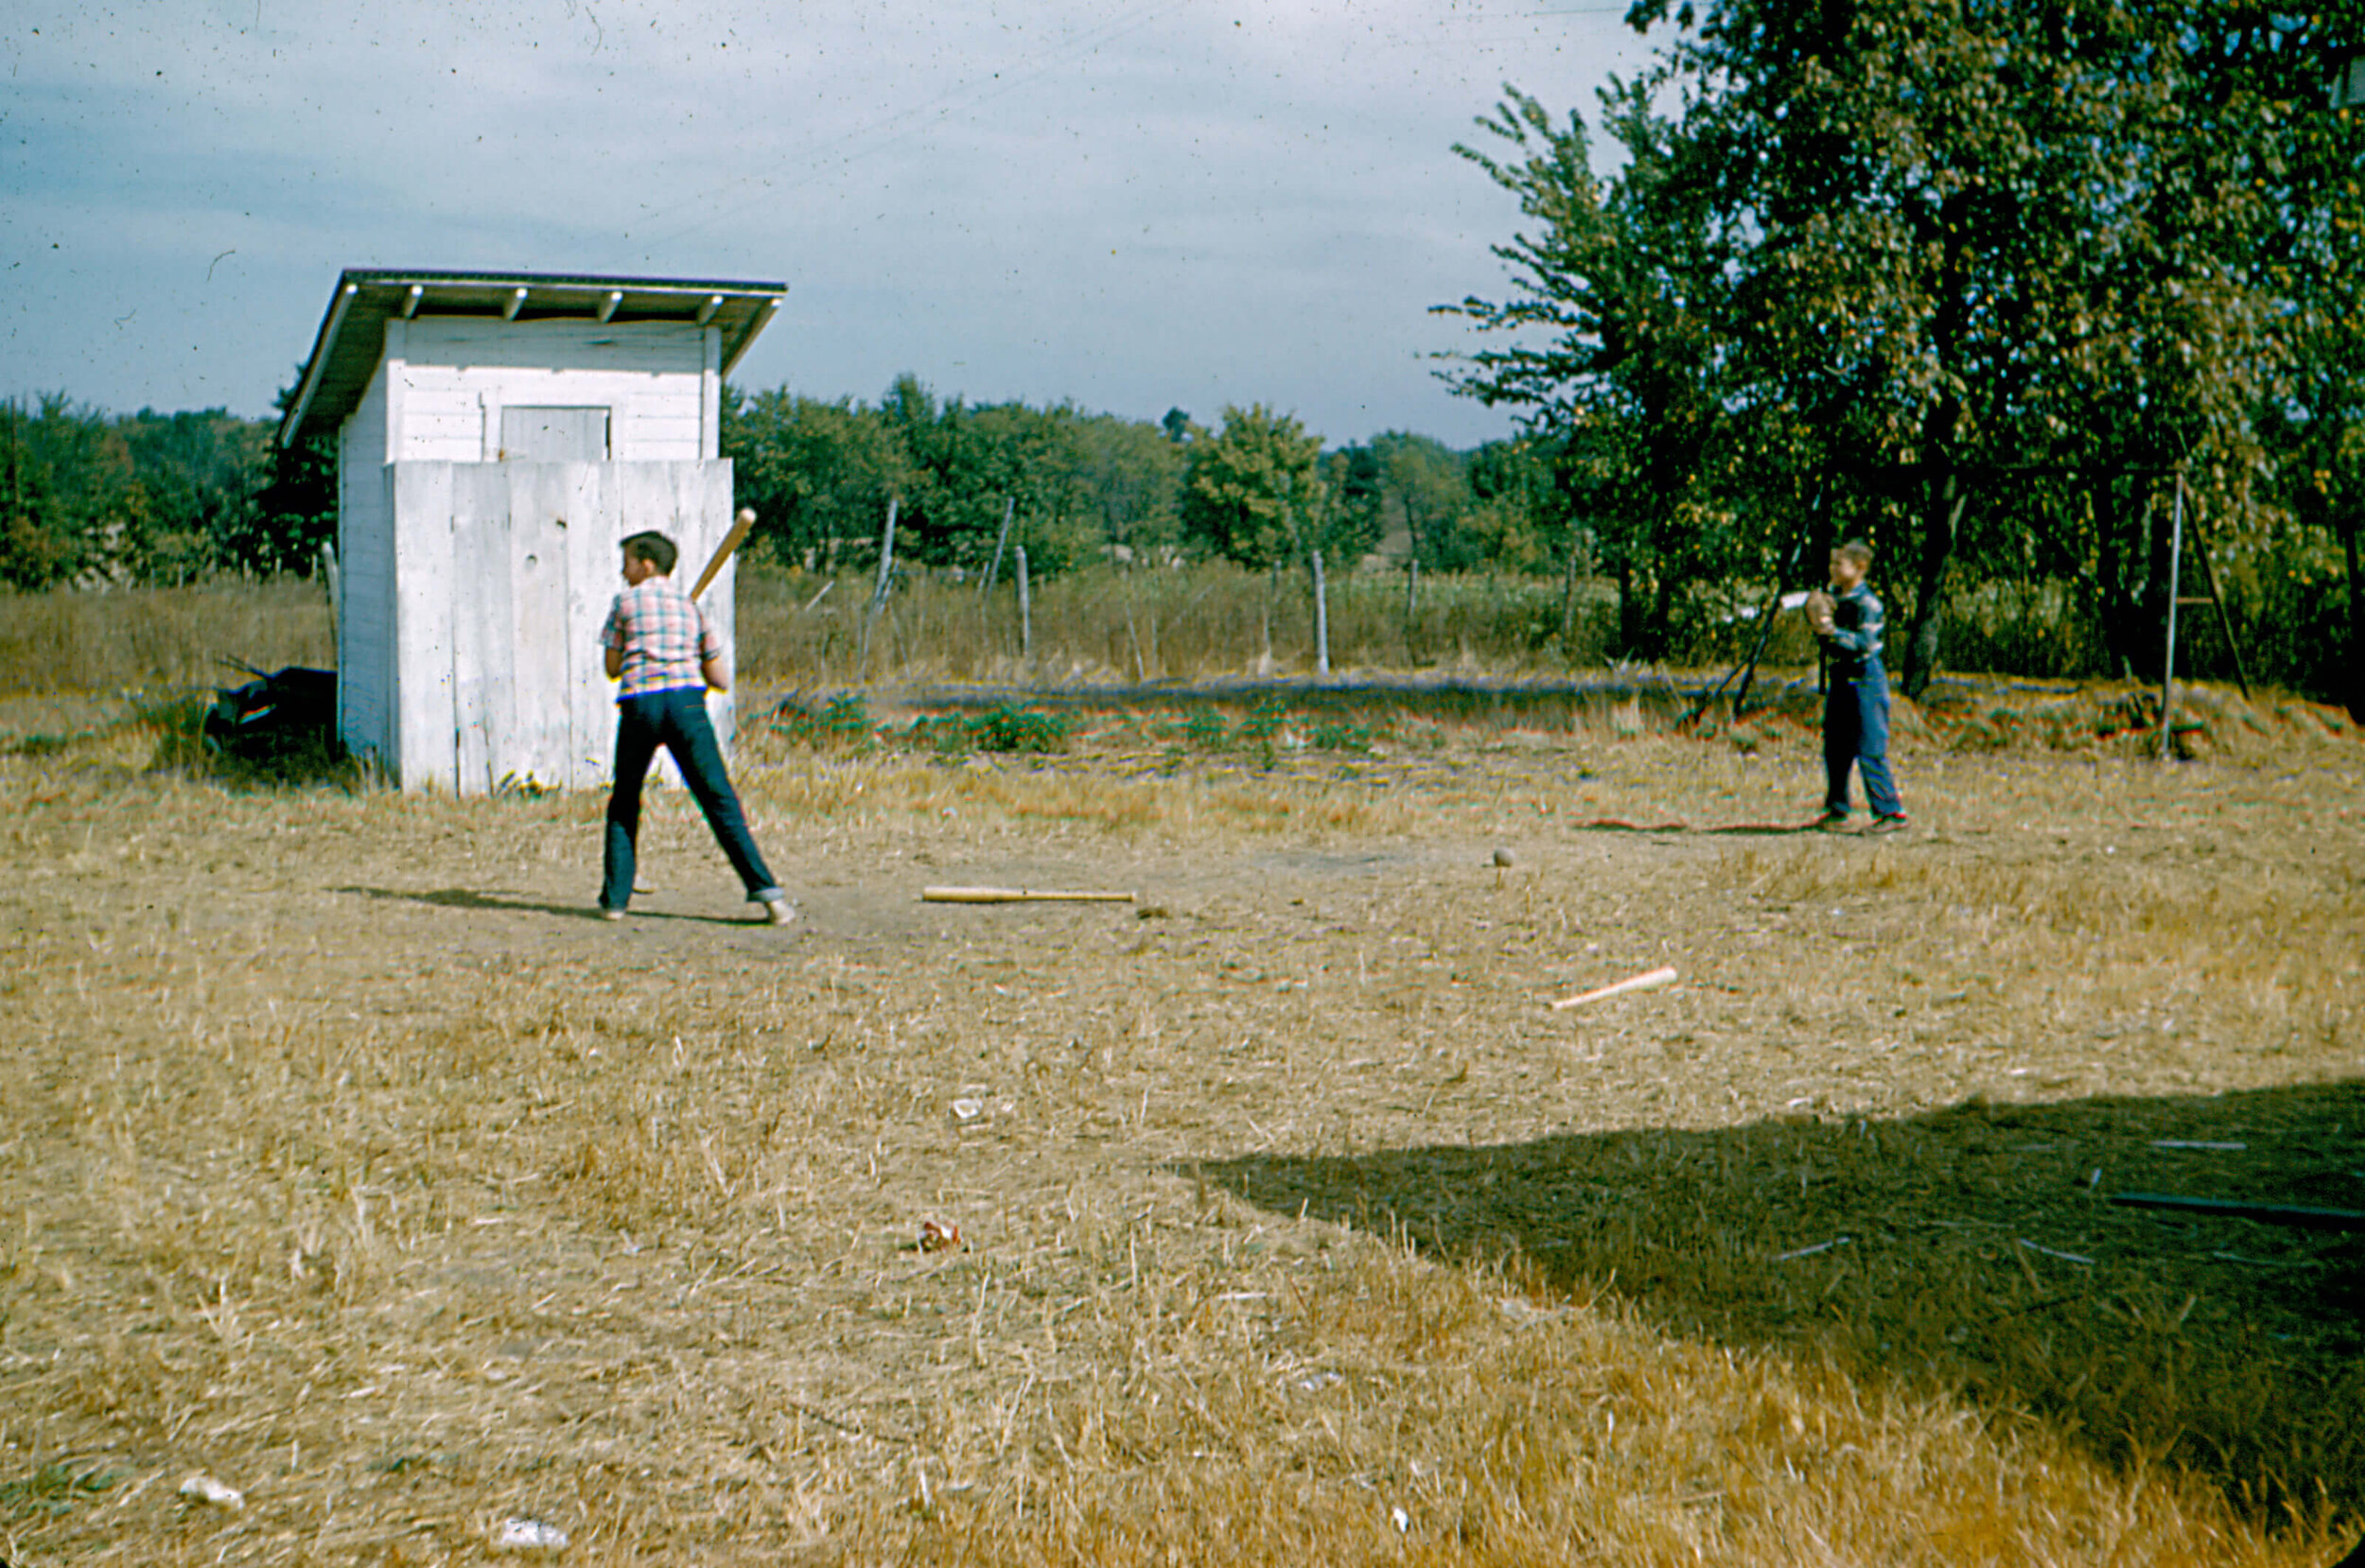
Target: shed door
[{"x": 553, "y": 435}]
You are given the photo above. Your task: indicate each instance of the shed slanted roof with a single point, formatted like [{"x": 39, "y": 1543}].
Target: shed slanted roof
[{"x": 353, "y": 335}]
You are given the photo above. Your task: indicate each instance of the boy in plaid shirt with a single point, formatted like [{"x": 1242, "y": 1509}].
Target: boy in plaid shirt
[
  {"x": 1856, "y": 711},
  {"x": 665, "y": 656}
]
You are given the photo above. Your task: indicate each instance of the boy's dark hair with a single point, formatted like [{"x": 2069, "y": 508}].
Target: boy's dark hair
[
  {"x": 657, "y": 549},
  {"x": 1857, "y": 550}
]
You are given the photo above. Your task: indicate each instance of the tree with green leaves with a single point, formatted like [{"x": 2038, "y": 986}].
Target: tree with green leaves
[
  {"x": 1615, "y": 355},
  {"x": 66, "y": 492},
  {"x": 1970, "y": 277},
  {"x": 2312, "y": 255},
  {"x": 1252, "y": 492},
  {"x": 817, "y": 473}
]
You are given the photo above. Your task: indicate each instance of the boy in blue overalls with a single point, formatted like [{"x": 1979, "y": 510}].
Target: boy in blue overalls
[{"x": 1856, "y": 708}]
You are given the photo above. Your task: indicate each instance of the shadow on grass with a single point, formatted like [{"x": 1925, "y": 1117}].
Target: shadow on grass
[
  {"x": 1971, "y": 1250},
  {"x": 464, "y": 898}
]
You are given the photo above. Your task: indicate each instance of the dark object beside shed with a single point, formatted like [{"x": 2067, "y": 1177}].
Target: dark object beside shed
[{"x": 290, "y": 709}]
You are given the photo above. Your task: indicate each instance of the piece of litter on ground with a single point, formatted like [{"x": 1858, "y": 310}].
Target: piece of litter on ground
[
  {"x": 2198, "y": 1144},
  {"x": 1403, "y": 1521},
  {"x": 1811, "y": 1251},
  {"x": 939, "y": 1236},
  {"x": 2066, "y": 1257},
  {"x": 968, "y": 1110},
  {"x": 528, "y": 1534},
  {"x": 206, "y": 1490}
]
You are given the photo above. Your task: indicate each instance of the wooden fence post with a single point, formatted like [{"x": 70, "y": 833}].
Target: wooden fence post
[
  {"x": 1009, "y": 507},
  {"x": 1322, "y": 618},
  {"x": 887, "y": 578},
  {"x": 1026, "y": 610}
]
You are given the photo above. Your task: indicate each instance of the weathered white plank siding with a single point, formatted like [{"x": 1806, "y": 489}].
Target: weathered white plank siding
[
  {"x": 426, "y": 599},
  {"x": 365, "y": 557},
  {"x": 485, "y": 631},
  {"x": 459, "y": 373},
  {"x": 542, "y": 500},
  {"x": 592, "y": 578}
]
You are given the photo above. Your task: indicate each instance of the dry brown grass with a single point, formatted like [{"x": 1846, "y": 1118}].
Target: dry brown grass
[
  {"x": 160, "y": 641},
  {"x": 342, "y": 1159},
  {"x": 1207, "y": 620}
]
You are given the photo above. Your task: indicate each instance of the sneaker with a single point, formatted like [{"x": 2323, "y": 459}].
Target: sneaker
[
  {"x": 1830, "y": 821},
  {"x": 778, "y": 912},
  {"x": 1890, "y": 825},
  {"x": 607, "y": 914}
]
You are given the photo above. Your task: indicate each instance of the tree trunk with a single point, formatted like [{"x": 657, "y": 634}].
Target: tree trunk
[
  {"x": 1629, "y": 613},
  {"x": 1944, "y": 497},
  {"x": 1568, "y": 598},
  {"x": 1947, "y": 499}
]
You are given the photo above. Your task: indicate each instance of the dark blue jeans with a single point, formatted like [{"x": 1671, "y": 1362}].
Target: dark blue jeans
[
  {"x": 1856, "y": 734},
  {"x": 675, "y": 719}
]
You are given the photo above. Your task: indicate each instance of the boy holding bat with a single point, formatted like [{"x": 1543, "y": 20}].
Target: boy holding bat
[
  {"x": 1856, "y": 708},
  {"x": 666, "y": 657}
]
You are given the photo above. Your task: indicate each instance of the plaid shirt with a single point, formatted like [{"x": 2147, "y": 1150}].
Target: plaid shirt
[
  {"x": 664, "y": 637},
  {"x": 1855, "y": 636}
]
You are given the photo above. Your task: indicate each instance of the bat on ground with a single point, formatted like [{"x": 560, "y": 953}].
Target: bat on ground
[
  {"x": 1016, "y": 896},
  {"x": 732, "y": 541},
  {"x": 1649, "y": 980}
]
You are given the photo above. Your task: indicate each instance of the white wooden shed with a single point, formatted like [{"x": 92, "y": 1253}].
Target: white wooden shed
[{"x": 498, "y": 435}]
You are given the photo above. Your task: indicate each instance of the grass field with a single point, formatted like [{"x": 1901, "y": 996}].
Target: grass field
[{"x": 345, "y": 1160}]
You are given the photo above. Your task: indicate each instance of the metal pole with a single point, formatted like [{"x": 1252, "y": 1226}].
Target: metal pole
[{"x": 2167, "y": 668}]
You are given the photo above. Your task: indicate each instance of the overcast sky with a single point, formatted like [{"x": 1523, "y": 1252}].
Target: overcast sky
[{"x": 1132, "y": 205}]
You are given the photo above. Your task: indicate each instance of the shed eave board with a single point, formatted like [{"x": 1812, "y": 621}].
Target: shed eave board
[{"x": 348, "y": 348}]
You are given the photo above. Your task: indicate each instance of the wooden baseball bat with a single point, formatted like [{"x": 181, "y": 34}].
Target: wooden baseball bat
[
  {"x": 1637, "y": 983},
  {"x": 1016, "y": 896},
  {"x": 732, "y": 541}
]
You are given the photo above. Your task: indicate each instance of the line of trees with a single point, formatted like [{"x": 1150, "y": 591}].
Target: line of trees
[
  {"x": 1977, "y": 279},
  {"x": 1256, "y": 488},
  {"x": 87, "y": 499}
]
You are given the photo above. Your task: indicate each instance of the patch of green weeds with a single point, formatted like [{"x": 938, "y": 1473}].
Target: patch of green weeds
[
  {"x": 1000, "y": 728},
  {"x": 842, "y": 721},
  {"x": 1261, "y": 730},
  {"x": 946, "y": 734},
  {"x": 52, "y": 1491},
  {"x": 1339, "y": 735},
  {"x": 1204, "y": 731}
]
